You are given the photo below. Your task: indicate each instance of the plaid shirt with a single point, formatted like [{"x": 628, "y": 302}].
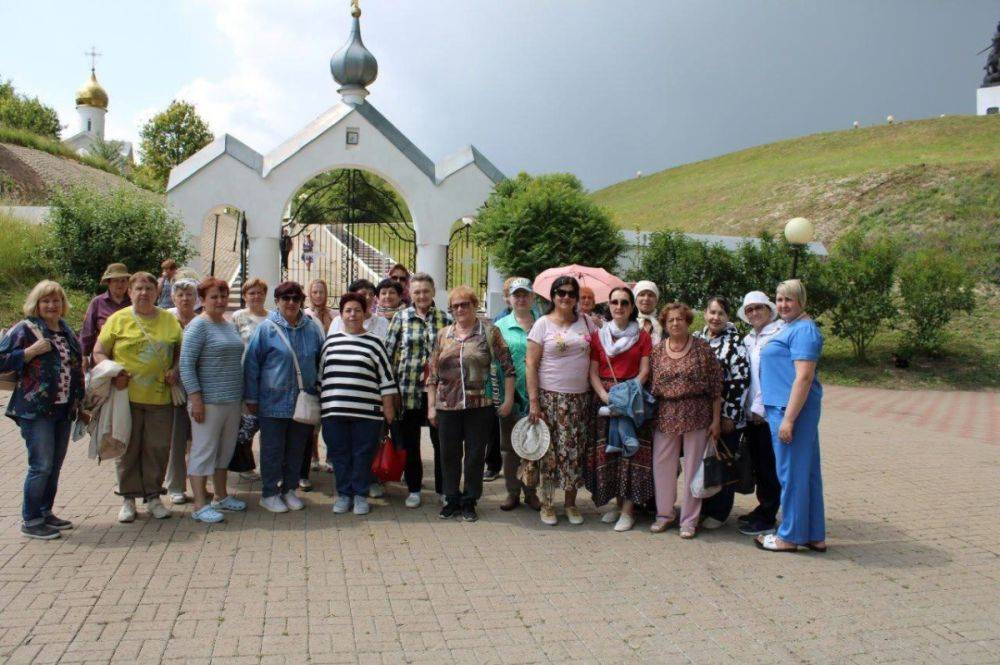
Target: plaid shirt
[{"x": 409, "y": 343}]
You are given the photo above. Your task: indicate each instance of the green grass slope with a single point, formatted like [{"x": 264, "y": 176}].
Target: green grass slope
[{"x": 932, "y": 180}]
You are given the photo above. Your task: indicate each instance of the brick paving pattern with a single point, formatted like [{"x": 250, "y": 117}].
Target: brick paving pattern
[{"x": 912, "y": 574}]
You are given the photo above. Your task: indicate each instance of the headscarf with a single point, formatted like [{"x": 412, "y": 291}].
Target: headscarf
[{"x": 655, "y": 329}]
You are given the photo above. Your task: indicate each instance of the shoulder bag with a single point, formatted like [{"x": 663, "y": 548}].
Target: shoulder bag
[
  {"x": 8, "y": 380},
  {"x": 306, "y": 405}
]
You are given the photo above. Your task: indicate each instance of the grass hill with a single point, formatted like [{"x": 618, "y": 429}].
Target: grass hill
[{"x": 932, "y": 180}]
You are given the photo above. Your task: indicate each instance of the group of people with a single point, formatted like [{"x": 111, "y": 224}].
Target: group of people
[{"x": 628, "y": 398}]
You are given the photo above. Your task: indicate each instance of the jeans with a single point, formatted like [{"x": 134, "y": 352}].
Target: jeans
[
  {"x": 350, "y": 445},
  {"x": 406, "y": 433},
  {"x": 464, "y": 433},
  {"x": 758, "y": 438},
  {"x": 282, "y": 441},
  {"x": 46, "y": 440}
]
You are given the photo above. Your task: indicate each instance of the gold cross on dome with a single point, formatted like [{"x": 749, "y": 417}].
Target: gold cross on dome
[{"x": 93, "y": 54}]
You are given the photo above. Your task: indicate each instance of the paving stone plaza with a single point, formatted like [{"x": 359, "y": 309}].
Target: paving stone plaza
[{"x": 912, "y": 574}]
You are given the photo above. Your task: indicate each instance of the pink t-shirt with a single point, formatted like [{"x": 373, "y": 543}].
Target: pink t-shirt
[{"x": 565, "y": 364}]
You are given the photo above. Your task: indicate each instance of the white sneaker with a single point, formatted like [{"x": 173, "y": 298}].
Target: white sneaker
[
  {"x": 274, "y": 504},
  {"x": 178, "y": 498},
  {"x": 624, "y": 523},
  {"x": 157, "y": 509},
  {"x": 711, "y": 523},
  {"x": 342, "y": 504},
  {"x": 611, "y": 516},
  {"x": 376, "y": 491},
  {"x": 361, "y": 506},
  {"x": 292, "y": 501},
  {"x": 127, "y": 513},
  {"x": 413, "y": 500}
]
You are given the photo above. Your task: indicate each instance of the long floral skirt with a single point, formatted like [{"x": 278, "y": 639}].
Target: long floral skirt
[
  {"x": 568, "y": 417},
  {"x": 608, "y": 476}
]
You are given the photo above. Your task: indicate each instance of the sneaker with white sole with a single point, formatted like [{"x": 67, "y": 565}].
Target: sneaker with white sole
[
  {"x": 413, "y": 500},
  {"x": 178, "y": 498},
  {"x": 292, "y": 500},
  {"x": 624, "y": 523},
  {"x": 610, "y": 517},
  {"x": 156, "y": 508},
  {"x": 342, "y": 504},
  {"x": 207, "y": 514},
  {"x": 573, "y": 515},
  {"x": 361, "y": 506},
  {"x": 273, "y": 504},
  {"x": 376, "y": 491},
  {"x": 127, "y": 513},
  {"x": 230, "y": 503}
]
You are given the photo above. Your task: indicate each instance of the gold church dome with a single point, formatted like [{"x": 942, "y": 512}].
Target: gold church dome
[{"x": 92, "y": 94}]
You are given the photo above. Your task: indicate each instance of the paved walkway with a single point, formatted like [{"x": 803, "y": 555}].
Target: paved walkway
[{"x": 912, "y": 573}]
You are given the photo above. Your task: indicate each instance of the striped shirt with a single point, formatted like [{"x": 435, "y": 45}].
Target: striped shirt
[
  {"x": 355, "y": 374},
  {"x": 210, "y": 364}
]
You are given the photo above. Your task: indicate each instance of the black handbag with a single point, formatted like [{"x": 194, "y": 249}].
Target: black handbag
[
  {"x": 243, "y": 461},
  {"x": 714, "y": 467},
  {"x": 735, "y": 465}
]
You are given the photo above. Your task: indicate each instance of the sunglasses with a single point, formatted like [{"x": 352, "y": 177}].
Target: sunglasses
[
  {"x": 290, "y": 298},
  {"x": 460, "y": 305},
  {"x": 562, "y": 293},
  {"x": 619, "y": 303}
]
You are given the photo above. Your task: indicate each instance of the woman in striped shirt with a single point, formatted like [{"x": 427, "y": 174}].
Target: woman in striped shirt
[{"x": 357, "y": 389}]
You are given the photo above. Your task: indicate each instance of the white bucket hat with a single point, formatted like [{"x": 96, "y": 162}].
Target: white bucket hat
[
  {"x": 756, "y": 298},
  {"x": 529, "y": 440},
  {"x": 645, "y": 285}
]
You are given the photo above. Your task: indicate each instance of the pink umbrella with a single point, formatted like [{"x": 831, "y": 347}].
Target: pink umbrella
[{"x": 600, "y": 280}]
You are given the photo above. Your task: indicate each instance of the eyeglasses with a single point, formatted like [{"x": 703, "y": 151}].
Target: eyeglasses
[
  {"x": 753, "y": 308},
  {"x": 562, "y": 293},
  {"x": 619, "y": 303},
  {"x": 288, "y": 297},
  {"x": 460, "y": 305}
]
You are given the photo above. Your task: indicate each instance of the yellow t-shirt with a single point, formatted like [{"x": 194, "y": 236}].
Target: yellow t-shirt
[{"x": 148, "y": 363}]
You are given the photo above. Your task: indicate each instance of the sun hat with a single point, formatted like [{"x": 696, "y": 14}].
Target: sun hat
[
  {"x": 756, "y": 298},
  {"x": 529, "y": 440},
  {"x": 114, "y": 271},
  {"x": 519, "y": 284},
  {"x": 645, "y": 285}
]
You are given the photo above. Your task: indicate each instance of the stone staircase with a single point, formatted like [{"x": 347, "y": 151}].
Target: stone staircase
[{"x": 377, "y": 262}]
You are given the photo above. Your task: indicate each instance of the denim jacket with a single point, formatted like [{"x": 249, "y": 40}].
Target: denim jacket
[
  {"x": 38, "y": 379},
  {"x": 630, "y": 406},
  {"x": 268, "y": 373}
]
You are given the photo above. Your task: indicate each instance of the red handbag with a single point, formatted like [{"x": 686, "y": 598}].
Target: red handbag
[{"x": 389, "y": 461}]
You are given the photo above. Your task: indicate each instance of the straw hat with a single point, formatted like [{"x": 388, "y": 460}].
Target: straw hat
[
  {"x": 113, "y": 271},
  {"x": 529, "y": 441},
  {"x": 756, "y": 298}
]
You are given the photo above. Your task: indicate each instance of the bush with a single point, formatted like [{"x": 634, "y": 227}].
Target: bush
[
  {"x": 934, "y": 286},
  {"x": 27, "y": 113},
  {"x": 88, "y": 230},
  {"x": 862, "y": 274},
  {"x": 529, "y": 224}
]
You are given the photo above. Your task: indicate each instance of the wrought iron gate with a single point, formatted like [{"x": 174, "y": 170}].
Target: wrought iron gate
[
  {"x": 346, "y": 225},
  {"x": 468, "y": 264}
]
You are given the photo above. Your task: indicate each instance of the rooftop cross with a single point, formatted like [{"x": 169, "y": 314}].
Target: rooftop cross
[{"x": 93, "y": 54}]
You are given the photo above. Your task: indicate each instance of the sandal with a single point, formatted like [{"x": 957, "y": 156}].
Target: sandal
[
  {"x": 770, "y": 544},
  {"x": 816, "y": 548},
  {"x": 661, "y": 524},
  {"x": 688, "y": 533}
]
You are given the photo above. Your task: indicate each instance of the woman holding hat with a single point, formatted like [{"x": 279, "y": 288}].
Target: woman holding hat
[
  {"x": 647, "y": 295},
  {"x": 514, "y": 327},
  {"x": 101, "y": 307},
  {"x": 558, "y": 373},
  {"x": 762, "y": 315},
  {"x": 619, "y": 352},
  {"x": 792, "y": 395}
]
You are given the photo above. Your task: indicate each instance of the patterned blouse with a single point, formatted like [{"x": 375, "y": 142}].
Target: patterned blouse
[
  {"x": 460, "y": 367},
  {"x": 732, "y": 354},
  {"x": 685, "y": 388}
]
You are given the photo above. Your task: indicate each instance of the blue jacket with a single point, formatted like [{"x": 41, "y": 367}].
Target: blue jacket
[
  {"x": 38, "y": 380},
  {"x": 630, "y": 407},
  {"x": 268, "y": 373}
]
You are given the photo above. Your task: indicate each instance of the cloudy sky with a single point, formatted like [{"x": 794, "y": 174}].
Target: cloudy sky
[{"x": 601, "y": 88}]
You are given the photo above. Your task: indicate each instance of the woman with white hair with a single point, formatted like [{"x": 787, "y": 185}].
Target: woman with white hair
[
  {"x": 792, "y": 395},
  {"x": 48, "y": 364}
]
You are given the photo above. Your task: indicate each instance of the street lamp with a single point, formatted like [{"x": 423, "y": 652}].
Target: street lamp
[{"x": 799, "y": 232}]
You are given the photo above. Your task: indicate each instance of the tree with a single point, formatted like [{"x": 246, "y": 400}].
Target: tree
[
  {"x": 862, "y": 272},
  {"x": 28, "y": 113},
  {"x": 934, "y": 287},
  {"x": 531, "y": 223},
  {"x": 88, "y": 230},
  {"x": 169, "y": 138},
  {"x": 109, "y": 151}
]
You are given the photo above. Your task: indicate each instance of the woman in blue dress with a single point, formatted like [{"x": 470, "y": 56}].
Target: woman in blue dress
[{"x": 792, "y": 395}]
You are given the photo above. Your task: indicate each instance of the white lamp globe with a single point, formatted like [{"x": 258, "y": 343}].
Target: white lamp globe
[
  {"x": 799, "y": 231},
  {"x": 890, "y": 119}
]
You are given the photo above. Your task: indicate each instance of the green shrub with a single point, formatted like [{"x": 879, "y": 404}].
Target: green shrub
[
  {"x": 934, "y": 287},
  {"x": 531, "y": 223},
  {"x": 88, "y": 230},
  {"x": 862, "y": 273},
  {"x": 27, "y": 113},
  {"x": 29, "y": 139}
]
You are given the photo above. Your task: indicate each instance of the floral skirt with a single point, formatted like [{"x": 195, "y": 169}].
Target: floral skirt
[
  {"x": 568, "y": 417},
  {"x": 608, "y": 476}
]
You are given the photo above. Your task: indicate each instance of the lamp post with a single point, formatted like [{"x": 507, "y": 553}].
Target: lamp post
[{"x": 799, "y": 232}]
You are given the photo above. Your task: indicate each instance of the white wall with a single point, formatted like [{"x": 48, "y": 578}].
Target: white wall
[{"x": 30, "y": 214}]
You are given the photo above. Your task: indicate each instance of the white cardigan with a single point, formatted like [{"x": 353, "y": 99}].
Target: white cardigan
[{"x": 111, "y": 415}]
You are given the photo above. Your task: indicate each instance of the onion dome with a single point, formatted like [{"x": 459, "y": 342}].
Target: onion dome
[
  {"x": 353, "y": 66},
  {"x": 92, "y": 94}
]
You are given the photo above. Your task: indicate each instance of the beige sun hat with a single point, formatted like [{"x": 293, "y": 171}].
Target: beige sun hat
[
  {"x": 114, "y": 271},
  {"x": 530, "y": 440}
]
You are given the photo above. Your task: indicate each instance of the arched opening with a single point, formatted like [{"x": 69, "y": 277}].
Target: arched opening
[
  {"x": 223, "y": 248},
  {"x": 346, "y": 224}
]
